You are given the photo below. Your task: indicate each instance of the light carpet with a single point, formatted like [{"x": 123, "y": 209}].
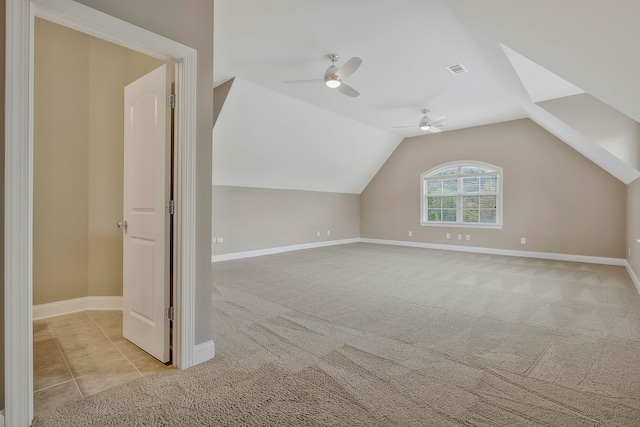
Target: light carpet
[{"x": 365, "y": 334}]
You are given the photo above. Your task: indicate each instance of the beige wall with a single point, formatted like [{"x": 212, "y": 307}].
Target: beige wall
[
  {"x": 111, "y": 67},
  {"x": 106, "y": 167},
  {"x": 61, "y": 128},
  {"x": 189, "y": 22},
  {"x": 258, "y": 218},
  {"x": 556, "y": 198},
  {"x": 78, "y": 162}
]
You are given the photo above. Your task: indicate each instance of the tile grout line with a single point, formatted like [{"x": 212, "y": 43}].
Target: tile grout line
[
  {"x": 73, "y": 377},
  {"x": 113, "y": 344},
  {"x": 53, "y": 385}
]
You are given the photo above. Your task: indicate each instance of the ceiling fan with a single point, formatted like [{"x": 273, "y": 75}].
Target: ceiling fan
[
  {"x": 427, "y": 124},
  {"x": 333, "y": 77}
]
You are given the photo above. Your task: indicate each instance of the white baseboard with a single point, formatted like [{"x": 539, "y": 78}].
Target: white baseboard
[
  {"x": 59, "y": 308},
  {"x": 473, "y": 249},
  {"x": 281, "y": 249},
  {"x": 633, "y": 275},
  {"x": 203, "y": 352},
  {"x": 2, "y": 418},
  {"x": 491, "y": 251}
]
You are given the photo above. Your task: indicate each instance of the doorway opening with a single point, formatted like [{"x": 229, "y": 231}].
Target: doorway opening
[
  {"x": 79, "y": 86},
  {"x": 18, "y": 348}
]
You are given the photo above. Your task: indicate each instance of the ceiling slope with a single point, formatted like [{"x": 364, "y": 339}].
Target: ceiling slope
[
  {"x": 540, "y": 83},
  {"x": 504, "y": 30},
  {"x": 270, "y": 134},
  {"x": 305, "y": 136},
  {"x": 405, "y": 45},
  {"x": 607, "y": 127},
  {"x": 267, "y": 140},
  {"x": 590, "y": 43}
]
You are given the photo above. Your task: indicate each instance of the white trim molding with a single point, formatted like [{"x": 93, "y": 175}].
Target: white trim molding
[
  {"x": 633, "y": 275},
  {"x": 18, "y": 333},
  {"x": 18, "y": 242},
  {"x": 473, "y": 249},
  {"x": 280, "y": 249},
  {"x": 505, "y": 252},
  {"x": 203, "y": 352},
  {"x": 59, "y": 308}
]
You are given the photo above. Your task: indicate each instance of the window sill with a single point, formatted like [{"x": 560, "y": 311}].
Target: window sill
[{"x": 461, "y": 225}]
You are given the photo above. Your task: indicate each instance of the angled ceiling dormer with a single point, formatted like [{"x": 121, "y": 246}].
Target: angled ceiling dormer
[
  {"x": 265, "y": 139},
  {"x": 592, "y": 120},
  {"x": 540, "y": 83},
  {"x": 572, "y": 60}
]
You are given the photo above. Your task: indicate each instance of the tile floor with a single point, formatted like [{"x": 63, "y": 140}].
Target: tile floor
[{"x": 80, "y": 354}]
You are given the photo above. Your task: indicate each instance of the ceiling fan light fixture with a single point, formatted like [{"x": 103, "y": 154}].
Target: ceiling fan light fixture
[
  {"x": 424, "y": 122},
  {"x": 332, "y": 81}
]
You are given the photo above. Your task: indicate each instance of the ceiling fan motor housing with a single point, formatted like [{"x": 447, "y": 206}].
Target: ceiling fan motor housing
[{"x": 330, "y": 77}]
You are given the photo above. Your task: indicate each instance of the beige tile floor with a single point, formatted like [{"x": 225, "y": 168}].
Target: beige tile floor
[{"x": 81, "y": 354}]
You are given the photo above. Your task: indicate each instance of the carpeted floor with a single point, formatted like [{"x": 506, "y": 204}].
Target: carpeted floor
[{"x": 371, "y": 335}]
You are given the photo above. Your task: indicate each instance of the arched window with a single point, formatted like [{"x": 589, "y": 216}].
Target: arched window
[{"x": 462, "y": 194}]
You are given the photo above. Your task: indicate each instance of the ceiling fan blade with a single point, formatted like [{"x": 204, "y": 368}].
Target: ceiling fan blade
[
  {"x": 348, "y": 90},
  {"x": 302, "y": 81},
  {"x": 400, "y": 127},
  {"x": 434, "y": 129},
  {"x": 349, "y": 67},
  {"x": 438, "y": 120}
]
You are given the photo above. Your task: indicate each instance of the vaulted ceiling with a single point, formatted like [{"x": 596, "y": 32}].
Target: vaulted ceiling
[{"x": 520, "y": 57}]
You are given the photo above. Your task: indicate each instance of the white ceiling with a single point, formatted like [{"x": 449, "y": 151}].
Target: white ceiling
[
  {"x": 273, "y": 141},
  {"x": 406, "y": 46},
  {"x": 540, "y": 83}
]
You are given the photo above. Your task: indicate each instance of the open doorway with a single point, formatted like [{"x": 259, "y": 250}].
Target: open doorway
[
  {"x": 18, "y": 349},
  {"x": 79, "y": 85}
]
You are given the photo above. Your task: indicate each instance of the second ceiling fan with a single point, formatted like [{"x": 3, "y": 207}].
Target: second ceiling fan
[
  {"x": 427, "y": 124},
  {"x": 334, "y": 76}
]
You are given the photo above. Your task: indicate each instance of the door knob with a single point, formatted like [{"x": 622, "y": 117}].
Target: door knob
[{"x": 122, "y": 224}]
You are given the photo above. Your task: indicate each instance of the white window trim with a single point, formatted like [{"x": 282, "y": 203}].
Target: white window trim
[{"x": 499, "y": 204}]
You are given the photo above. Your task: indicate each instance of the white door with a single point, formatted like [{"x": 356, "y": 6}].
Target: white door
[{"x": 146, "y": 221}]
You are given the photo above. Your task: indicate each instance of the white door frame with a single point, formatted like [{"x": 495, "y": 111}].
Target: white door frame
[{"x": 18, "y": 345}]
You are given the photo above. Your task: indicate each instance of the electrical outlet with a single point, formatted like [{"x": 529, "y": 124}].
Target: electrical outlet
[
  {"x": 410, "y": 233},
  {"x": 219, "y": 240},
  {"x": 448, "y": 235},
  {"x": 328, "y": 232},
  {"x": 318, "y": 234},
  {"x": 467, "y": 237},
  {"x": 459, "y": 236},
  {"x": 523, "y": 240}
]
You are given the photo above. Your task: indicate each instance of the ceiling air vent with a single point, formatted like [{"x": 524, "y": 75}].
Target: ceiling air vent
[{"x": 456, "y": 69}]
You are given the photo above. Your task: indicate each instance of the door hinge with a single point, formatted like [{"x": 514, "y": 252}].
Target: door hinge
[
  {"x": 172, "y": 207},
  {"x": 170, "y": 314},
  {"x": 172, "y": 101}
]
